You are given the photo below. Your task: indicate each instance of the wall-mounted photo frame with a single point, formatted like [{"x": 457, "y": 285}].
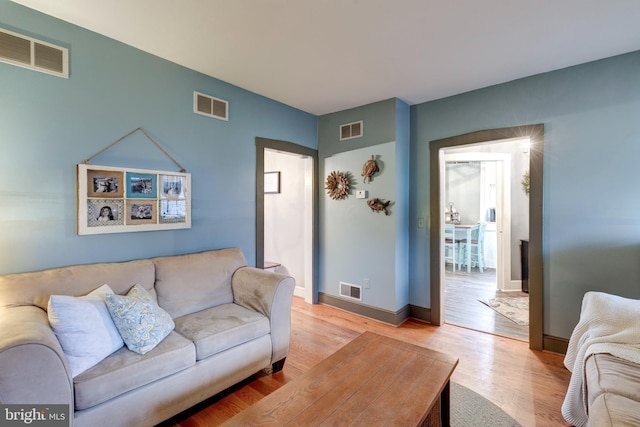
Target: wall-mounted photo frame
[
  {"x": 142, "y": 186},
  {"x": 172, "y": 211},
  {"x": 142, "y": 211},
  {"x": 105, "y": 212},
  {"x": 172, "y": 186},
  {"x": 271, "y": 182},
  {"x": 121, "y": 200},
  {"x": 104, "y": 183}
]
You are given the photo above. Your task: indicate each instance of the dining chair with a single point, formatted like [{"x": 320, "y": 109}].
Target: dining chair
[
  {"x": 477, "y": 248},
  {"x": 451, "y": 246}
]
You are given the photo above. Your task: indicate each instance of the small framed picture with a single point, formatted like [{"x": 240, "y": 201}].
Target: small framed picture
[
  {"x": 104, "y": 212},
  {"x": 271, "y": 182},
  {"x": 142, "y": 186},
  {"x": 104, "y": 183},
  {"x": 141, "y": 211},
  {"x": 173, "y": 211},
  {"x": 172, "y": 187}
]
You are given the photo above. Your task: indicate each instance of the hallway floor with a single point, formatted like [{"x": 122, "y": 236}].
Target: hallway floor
[{"x": 462, "y": 308}]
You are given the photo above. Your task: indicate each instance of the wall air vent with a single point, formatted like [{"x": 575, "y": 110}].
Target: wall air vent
[
  {"x": 33, "y": 54},
  {"x": 209, "y": 106},
  {"x": 350, "y": 291},
  {"x": 351, "y": 130}
]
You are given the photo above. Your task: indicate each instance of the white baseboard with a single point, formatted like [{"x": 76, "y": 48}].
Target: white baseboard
[
  {"x": 298, "y": 291},
  {"x": 513, "y": 285}
]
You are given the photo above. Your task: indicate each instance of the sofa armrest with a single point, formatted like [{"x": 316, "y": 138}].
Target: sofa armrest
[
  {"x": 33, "y": 368},
  {"x": 270, "y": 294}
]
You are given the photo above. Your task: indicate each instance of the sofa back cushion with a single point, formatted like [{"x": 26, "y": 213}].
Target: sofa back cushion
[
  {"x": 34, "y": 288},
  {"x": 193, "y": 282}
]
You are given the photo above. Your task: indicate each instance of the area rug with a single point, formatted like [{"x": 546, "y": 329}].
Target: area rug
[
  {"x": 513, "y": 308},
  {"x": 469, "y": 409}
]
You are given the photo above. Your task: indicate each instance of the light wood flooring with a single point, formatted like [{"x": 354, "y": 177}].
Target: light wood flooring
[
  {"x": 462, "y": 308},
  {"x": 528, "y": 385}
]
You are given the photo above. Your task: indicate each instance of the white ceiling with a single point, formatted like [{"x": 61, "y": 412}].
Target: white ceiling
[{"x": 323, "y": 56}]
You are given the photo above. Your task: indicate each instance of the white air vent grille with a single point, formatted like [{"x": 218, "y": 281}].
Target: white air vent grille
[
  {"x": 351, "y": 291},
  {"x": 34, "y": 54},
  {"x": 351, "y": 130},
  {"x": 210, "y": 106}
]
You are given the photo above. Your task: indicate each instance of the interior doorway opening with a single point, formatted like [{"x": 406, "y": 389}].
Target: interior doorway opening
[
  {"x": 286, "y": 212},
  {"x": 535, "y": 179},
  {"x": 288, "y": 218},
  {"x": 481, "y": 183}
]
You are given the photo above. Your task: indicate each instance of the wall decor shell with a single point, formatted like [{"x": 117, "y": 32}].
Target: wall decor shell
[
  {"x": 378, "y": 205},
  {"x": 337, "y": 185},
  {"x": 369, "y": 169}
]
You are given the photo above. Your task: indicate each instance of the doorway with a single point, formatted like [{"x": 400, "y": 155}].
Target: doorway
[
  {"x": 286, "y": 212},
  {"x": 536, "y": 135},
  {"x": 478, "y": 180}
]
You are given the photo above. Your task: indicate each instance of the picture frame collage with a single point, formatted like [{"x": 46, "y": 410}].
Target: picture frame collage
[{"x": 119, "y": 200}]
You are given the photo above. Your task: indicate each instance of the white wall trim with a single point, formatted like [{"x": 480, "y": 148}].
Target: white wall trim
[{"x": 513, "y": 285}]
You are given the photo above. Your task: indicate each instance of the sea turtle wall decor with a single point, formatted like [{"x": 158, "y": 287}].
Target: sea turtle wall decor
[
  {"x": 369, "y": 168},
  {"x": 337, "y": 185},
  {"x": 378, "y": 205}
]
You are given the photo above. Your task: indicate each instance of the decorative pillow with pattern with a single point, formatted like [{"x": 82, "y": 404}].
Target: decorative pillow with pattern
[{"x": 139, "y": 319}]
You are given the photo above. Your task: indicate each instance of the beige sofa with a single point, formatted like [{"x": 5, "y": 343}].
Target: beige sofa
[
  {"x": 231, "y": 321},
  {"x": 604, "y": 359}
]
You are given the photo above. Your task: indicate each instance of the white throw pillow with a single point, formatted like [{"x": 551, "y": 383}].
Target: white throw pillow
[{"x": 84, "y": 328}]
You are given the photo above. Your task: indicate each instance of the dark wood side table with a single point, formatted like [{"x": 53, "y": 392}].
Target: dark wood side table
[{"x": 524, "y": 261}]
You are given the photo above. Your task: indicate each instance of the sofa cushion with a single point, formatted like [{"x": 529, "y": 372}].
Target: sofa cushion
[
  {"x": 35, "y": 288},
  {"x": 219, "y": 328},
  {"x": 125, "y": 370},
  {"x": 612, "y": 390},
  {"x": 140, "y": 321},
  {"x": 189, "y": 283},
  {"x": 84, "y": 328},
  {"x": 613, "y": 410}
]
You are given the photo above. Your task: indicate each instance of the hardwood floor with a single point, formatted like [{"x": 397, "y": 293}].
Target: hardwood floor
[
  {"x": 528, "y": 385},
  {"x": 462, "y": 308}
]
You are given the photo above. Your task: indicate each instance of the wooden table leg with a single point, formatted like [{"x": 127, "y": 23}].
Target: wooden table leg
[{"x": 445, "y": 405}]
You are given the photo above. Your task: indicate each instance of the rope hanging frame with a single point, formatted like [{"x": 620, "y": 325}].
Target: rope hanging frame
[{"x": 86, "y": 161}]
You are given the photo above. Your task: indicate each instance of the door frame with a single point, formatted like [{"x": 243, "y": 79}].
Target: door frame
[
  {"x": 535, "y": 132},
  {"x": 286, "y": 147}
]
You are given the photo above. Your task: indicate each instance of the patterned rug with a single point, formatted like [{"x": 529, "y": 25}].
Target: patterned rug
[
  {"x": 513, "y": 308},
  {"x": 469, "y": 409}
]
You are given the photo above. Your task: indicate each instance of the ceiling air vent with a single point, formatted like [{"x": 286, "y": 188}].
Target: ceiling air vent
[
  {"x": 351, "y": 130},
  {"x": 351, "y": 291},
  {"x": 209, "y": 106},
  {"x": 33, "y": 54}
]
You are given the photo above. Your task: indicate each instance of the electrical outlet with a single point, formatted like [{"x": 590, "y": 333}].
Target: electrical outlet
[
  {"x": 361, "y": 194},
  {"x": 366, "y": 284}
]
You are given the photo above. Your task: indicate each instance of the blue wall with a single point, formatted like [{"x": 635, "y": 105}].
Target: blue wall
[
  {"x": 356, "y": 243},
  {"x": 50, "y": 124},
  {"x": 402, "y": 199},
  {"x": 591, "y": 227}
]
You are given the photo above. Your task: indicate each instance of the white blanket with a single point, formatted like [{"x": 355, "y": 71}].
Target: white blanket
[{"x": 608, "y": 324}]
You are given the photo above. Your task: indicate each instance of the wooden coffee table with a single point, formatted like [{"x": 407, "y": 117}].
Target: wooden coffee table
[{"x": 373, "y": 380}]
